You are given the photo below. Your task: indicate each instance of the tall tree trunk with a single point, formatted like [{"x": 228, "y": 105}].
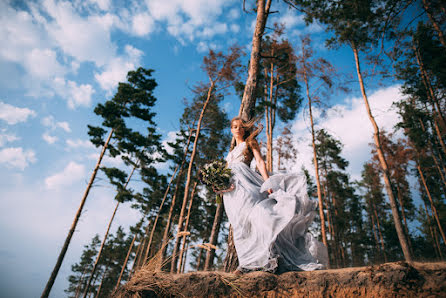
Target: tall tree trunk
[
  {"x": 186, "y": 226},
  {"x": 213, "y": 238},
  {"x": 79, "y": 285},
  {"x": 199, "y": 259},
  {"x": 124, "y": 265},
  {"x": 380, "y": 234},
  {"x": 396, "y": 218},
  {"x": 270, "y": 111},
  {"x": 403, "y": 213},
  {"x": 167, "y": 228},
  {"x": 102, "y": 282},
  {"x": 315, "y": 161},
  {"x": 249, "y": 96},
  {"x": 50, "y": 282},
  {"x": 434, "y": 23},
  {"x": 106, "y": 233},
  {"x": 375, "y": 233},
  {"x": 140, "y": 260},
  {"x": 230, "y": 262},
  {"x": 149, "y": 245},
  {"x": 184, "y": 258},
  {"x": 435, "y": 243},
  {"x": 247, "y": 107},
  {"x": 173, "y": 265},
  {"x": 434, "y": 209}
]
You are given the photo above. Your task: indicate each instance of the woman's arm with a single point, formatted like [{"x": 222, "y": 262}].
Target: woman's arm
[{"x": 260, "y": 163}]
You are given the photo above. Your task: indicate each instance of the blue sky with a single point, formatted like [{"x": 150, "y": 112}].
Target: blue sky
[{"x": 59, "y": 59}]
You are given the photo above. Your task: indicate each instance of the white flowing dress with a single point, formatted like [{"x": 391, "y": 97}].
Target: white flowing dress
[{"x": 270, "y": 231}]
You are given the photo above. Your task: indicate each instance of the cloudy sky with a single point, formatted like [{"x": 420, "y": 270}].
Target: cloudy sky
[{"x": 58, "y": 59}]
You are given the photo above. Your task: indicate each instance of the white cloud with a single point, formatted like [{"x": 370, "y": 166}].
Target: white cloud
[
  {"x": 203, "y": 47},
  {"x": 73, "y": 172},
  {"x": 84, "y": 38},
  {"x": 17, "y": 157},
  {"x": 75, "y": 144},
  {"x": 290, "y": 19},
  {"x": 142, "y": 24},
  {"x": 49, "y": 139},
  {"x": 186, "y": 19},
  {"x": 53, "y": 124},
  {"x": 107, "y": 160},
  {"x": 235, "y": 28},
  {"x": 234, "y": 13},
  {"x": 214, "y": 29},
  {"x": 102, "y": 4},
  {"x": 43, "y": 64},
  {"x": 13, "y": 115},
  {"x": 117, "y": 69},
  {"x": 76, "y": 95},
  {"x": 349, "y": 123},
  {"x": 6, "y": 137},
  {"x": 20, "y": 34}
]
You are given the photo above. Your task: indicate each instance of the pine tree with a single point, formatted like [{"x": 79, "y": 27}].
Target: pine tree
[{"x": 133, "y": 100}]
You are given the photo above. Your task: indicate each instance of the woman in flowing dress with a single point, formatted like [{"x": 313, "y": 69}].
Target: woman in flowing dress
[{"x": 269, "y": 215}]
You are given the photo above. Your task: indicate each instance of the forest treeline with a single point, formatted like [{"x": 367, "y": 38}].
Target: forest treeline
[{"x": 378, "y": 219}]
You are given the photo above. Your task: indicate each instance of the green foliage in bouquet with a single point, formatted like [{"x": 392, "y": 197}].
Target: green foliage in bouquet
[{"x": 217, "y": 176}]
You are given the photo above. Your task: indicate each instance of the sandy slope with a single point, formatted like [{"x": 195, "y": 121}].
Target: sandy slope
[{"x": 387, "y": 280}]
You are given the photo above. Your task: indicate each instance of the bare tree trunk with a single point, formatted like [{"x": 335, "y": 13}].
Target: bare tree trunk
[
  {"x": 375, "y": 233},
  {"x": 79, "y": 285},
  {"x": 270, "y": 111},
  {"x": 149, "y": 245},
  {"x": 248, "y": 102},
  {"x": 249, "y": 97},
  {"x": 396, "y": 218},
  {"x": 230, "y": 262},
  {"x": 380, "y": 234},
  {"x": 102, "y": 281},
  {"x": 106, "y": 233},
  {"x": 403, "y": 213},
  {"x": 169, "y": 219},
  {"x": 184, "y": 258},
  {"x": 50, "y": 282},
  {"x": 434, "y": 210},
  {"x": 213, "y": 238},
  {"x": 124, "y": 265},
  {"x": 167, "y": 228},
  {"x": 434, "y": 23},
  {"x": 199, "y": 259},
  {"x": 173, "y": 265},
  {"x": 315, "y": 161},
  {"x": 186, "y": 226},
  {"x": 435, "y": 243},
  {"x": 139, "y": 261}
]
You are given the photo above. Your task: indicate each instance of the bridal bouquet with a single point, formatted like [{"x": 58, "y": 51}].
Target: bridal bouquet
[{"x": 217, "y": 176}]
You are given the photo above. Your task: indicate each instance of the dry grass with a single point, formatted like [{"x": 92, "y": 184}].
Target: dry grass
[{"x": 390, "y": 279}]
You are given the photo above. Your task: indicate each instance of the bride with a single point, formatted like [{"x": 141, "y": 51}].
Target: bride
[{"x": 269, "y": 215}]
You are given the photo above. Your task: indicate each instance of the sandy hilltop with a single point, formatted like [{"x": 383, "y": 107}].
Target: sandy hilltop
[{"x": 398, "y": 279}]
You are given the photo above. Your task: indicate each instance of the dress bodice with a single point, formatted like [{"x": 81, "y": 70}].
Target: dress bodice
[{"x": 236, "y": 155}]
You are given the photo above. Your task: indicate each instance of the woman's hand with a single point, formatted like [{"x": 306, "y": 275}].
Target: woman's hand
[
  {"x": 231, "y": 188},
  {"x": 270, "y": 191}
]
